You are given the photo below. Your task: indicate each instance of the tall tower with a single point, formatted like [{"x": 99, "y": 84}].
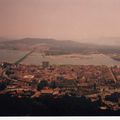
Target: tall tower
[{"x": 45, "y": 62}]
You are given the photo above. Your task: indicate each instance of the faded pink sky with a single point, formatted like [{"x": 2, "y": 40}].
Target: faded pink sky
[{"x": 60, "y": 19}]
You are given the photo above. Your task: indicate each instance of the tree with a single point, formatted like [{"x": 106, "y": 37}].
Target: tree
[
  {"x": 2, "y": 86},
  {"x": 42, "y": 84},
  {"x": 53, "y": 85}
]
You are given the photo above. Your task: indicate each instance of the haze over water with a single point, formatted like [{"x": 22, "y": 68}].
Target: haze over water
[{"x": 89, "y": 21}]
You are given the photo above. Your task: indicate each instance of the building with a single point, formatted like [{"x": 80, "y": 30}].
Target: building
[
  {"x": 45, "y": 64},
  {"x": 66, "y": 83}
]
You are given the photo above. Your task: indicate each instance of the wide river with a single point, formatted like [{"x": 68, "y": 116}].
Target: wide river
[{"x": 74, "y": 59}]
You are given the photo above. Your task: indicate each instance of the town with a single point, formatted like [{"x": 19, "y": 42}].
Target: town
[{"x": 94, "y": 82}]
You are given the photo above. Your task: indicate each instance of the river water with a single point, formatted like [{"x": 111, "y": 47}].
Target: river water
[{"x": 73, "y": 59}]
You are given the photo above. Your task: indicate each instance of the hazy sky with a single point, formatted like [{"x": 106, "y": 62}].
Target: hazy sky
[{"x": 60, "y": 19}]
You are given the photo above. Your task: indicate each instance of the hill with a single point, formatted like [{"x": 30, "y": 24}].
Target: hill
[{"x": 52, "y": 46}]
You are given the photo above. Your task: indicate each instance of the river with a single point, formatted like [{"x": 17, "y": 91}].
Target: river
[{"x": 73, "y": 59}]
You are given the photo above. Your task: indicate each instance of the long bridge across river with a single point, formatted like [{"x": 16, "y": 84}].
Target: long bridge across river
[{"x": 24, "y": 57}]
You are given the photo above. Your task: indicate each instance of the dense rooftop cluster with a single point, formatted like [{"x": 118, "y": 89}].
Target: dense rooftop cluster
[{"x": 93, "y": 82}]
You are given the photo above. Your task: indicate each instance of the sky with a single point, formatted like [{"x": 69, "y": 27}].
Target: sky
[{"x": 80, "y": 20}]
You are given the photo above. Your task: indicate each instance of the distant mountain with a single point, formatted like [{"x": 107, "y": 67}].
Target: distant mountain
[
  {"x": 53, "y": 46},
  {"x": 3, "y": 39},
  {"x": 109, "y": 41}
]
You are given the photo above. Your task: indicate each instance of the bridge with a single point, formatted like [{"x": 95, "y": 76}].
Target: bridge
[{"x": 24, "y": 57}]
